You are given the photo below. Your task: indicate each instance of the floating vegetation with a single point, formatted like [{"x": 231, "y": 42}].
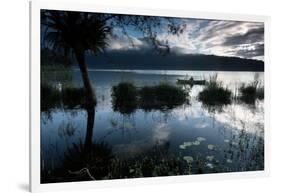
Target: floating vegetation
[
  {"x": 188, "y": 159},
  {"x": 201, "y": 139},
  {"x": 229, "y": 161},
  {"x": 188, "y": 143},
  {"x": 210, "y": 157},
  {"x": 210, "y": 165},
  {"x": 191, "y": 143},
  {"x": 182, "y": 146},
  {"x": 226, "y": 140},
  {"x": 196, "y": 142},
  {"x": 211, "y": 147}
]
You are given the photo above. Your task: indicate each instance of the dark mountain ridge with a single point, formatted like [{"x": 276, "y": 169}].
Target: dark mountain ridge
[{"x": 152, "y": 61}]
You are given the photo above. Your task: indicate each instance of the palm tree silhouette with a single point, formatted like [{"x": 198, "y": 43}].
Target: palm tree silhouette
[
  {"x": 76, "y": 33},
  {"x": 81, "y": 32}
]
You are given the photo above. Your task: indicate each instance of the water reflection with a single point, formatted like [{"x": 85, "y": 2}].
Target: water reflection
[{"x": 117, "y": 141}]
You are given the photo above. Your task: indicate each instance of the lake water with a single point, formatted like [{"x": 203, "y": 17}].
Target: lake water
[{"x": 198, "y": 138}]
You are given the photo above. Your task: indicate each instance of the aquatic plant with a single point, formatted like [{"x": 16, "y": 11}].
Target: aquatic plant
[
  {"x": 229, "y": 161},
  {"x": 162, "y": 95},
  {"x": 124, "y": 92},
  {"x": 201, "y": 139},
  {"x": 211, "y": 147},
  {"x": 127, "y": 97},
  {"x": 50, "y": 97},
  {"x": 73, "y": 97},
  {"x": 182, "y": 146},
  {"x": 67, "y": 97},
  {"x": 124, "y": 97},
  {"x": 191, "y": 143},
  {"x": 214, "y": 93},
  {"x": 210, "y": 165},
  {"x": 210, "y": 157},
  {"x": 188, "y": 143},
  {"x": 249, "y": 93},
  {"x": 185, "y": 145},
  {"x": 196, "y": 142},
  {"x": 156, "y": 161},
  {"x": 188, "y": 159}
]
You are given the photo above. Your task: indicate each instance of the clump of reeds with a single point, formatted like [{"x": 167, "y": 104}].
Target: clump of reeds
[
  {"x": 50, "y": 97},
  {"x": 68, "y": 97},
  {"x": 162, "y": 95},
  {"x": 214, "y": 93},
  {"x": 126, "y": 96},
  {"x": 252, "y": 91}
]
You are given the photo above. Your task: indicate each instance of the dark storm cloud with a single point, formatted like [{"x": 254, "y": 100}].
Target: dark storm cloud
[{"x": 250, "y": 37}]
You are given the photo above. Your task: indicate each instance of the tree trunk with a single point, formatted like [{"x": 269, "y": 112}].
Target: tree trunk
[
  {"x": 90, "y": 127},
  {"x": 90, "y": 97}
]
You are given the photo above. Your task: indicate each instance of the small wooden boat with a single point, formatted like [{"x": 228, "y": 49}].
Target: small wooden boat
[{"x": 191, "y": 81}]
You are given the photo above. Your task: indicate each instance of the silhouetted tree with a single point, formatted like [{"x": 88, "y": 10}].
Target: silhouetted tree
[{"x": 81, "y": 32}]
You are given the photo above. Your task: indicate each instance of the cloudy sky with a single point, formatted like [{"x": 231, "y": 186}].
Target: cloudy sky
[{"x": 223, "y": 38}]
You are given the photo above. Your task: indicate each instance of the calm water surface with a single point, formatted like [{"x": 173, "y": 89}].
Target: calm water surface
[{"x": 226, "y": 138}]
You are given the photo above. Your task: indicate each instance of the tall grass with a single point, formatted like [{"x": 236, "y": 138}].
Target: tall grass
[
  {"x": 124, "y": 97},
  {"x": 161, "y": 96},
  {"x": 248, "y": 93},
  {"x": 50, "y": 97},
  {"x": 214, "y": 93},
  {"x": 67, "y": 97}
]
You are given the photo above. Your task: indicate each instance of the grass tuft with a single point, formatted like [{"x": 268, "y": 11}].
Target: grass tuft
[
  {"x": 214, "y": 93},
  {"x": 162, "y": 96}
]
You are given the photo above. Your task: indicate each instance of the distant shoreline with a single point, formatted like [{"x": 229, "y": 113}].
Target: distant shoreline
[{"x": 135, "y": 69}]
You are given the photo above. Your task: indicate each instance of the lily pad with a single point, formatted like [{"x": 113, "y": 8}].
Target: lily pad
[
  {"x": 188, "y": 159},
  {"x": 196, "y": 142},
  {"x": 210, "y": 165},
  {"x": 211, "y": 147},
  {"x": 201, "y": 139},
  {"x": 210, "y": 157},
  {"x": 229, "y": 161},
  {"x": 182, "y": 146},
  {"x": 187, "y": 144}
]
